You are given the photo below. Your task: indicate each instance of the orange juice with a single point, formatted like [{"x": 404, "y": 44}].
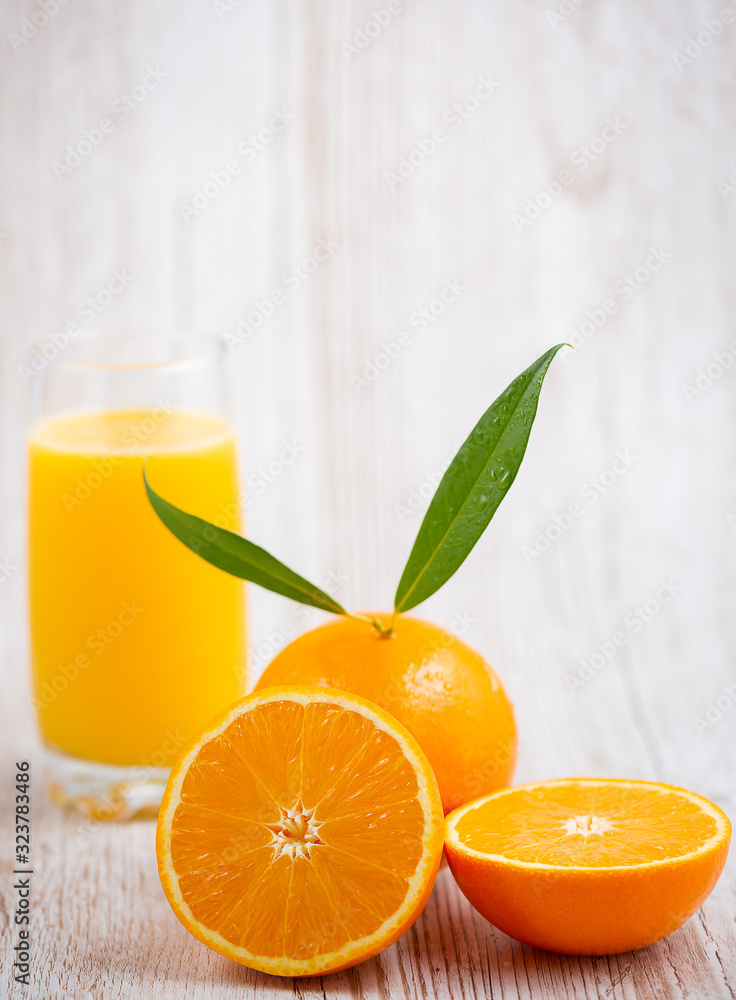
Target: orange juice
[{"x": 136, "y": 641}]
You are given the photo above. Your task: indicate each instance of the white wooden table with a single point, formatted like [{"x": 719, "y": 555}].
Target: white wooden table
[{"x": 652, "y": 198}]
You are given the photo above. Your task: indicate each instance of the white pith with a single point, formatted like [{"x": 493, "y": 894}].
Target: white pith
[
  {"x": 586, "y": 825},
  {"x": 296, "y": 833}
]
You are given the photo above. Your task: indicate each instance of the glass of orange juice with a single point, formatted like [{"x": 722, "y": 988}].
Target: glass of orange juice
[{"x": 135, "y": 641}]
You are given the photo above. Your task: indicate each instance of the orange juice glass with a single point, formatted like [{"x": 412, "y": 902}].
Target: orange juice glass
[{"x": 135, "y": 642}]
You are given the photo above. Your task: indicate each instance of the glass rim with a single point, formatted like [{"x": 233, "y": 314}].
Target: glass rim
[{"x": 206, "y": 348}]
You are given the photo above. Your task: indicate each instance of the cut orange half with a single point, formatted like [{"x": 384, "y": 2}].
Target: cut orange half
[
  {"x": 301, "y": 832},
  {"x": 588, "y": 866}
]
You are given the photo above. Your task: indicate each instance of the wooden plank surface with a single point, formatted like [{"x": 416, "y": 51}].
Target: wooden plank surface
[{"x": 373, "y": 430}]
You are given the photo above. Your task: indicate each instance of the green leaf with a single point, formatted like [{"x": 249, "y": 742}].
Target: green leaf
[
  {"x": 474, "y": 485},
  {"x": 239, "y": 557}
]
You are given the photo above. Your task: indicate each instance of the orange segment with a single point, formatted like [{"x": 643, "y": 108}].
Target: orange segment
[
  {"x": 588, "y": 866},
  {"x": 301, "y": 832}
]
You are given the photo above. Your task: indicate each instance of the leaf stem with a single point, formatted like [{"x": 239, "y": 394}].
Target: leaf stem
[{"x": 385, "y": 633}]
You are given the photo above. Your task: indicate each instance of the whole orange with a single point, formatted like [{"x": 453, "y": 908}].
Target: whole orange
[{"x": 441, "y": 690}]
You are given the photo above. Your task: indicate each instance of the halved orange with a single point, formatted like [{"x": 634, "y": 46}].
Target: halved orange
[
  {"x": 588, "y": 866},
  {"x": 301, "y": 832}
]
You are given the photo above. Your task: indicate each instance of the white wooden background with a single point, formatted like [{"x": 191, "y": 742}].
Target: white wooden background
[{"x": 101, "y": 927}]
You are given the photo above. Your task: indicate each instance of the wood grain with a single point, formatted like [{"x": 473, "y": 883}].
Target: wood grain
[{"x": 343, "y": 512}]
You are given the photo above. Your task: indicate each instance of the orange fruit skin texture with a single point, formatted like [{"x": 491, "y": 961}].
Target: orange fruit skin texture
[
  {"x": 594, "y": 911},
  {"x": 227, "y": 832},
  {"x": 444, "y": 692}
]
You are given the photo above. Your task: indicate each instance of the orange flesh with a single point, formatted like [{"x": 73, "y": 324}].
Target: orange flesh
[
  {"x": 307, "y": 810},
  {"x": 593, "y": 825}
]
